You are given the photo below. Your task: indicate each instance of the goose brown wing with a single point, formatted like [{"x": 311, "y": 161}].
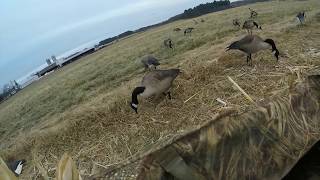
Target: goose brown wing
[
  {"x": 246, "y": 40},
  {"x": 163, "y": 74},
  {"x": 156, "y": 76},
  {"x": 251, "y": 44}
]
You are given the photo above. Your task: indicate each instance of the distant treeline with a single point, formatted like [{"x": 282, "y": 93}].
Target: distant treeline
[
  {"x": 8, "y": 90},
  {"x": 1, "y": 98},
  {"x": 122, "y": 35},
  {"x": 189, "y": 13},
  {"x": 202, "y": 9}
]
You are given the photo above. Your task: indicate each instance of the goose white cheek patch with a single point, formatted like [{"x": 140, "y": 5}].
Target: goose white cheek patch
[
  {"x": 274, "y": 52},
  {"x": 19, "y": 168},
  {"x": 134, "y": 105}
]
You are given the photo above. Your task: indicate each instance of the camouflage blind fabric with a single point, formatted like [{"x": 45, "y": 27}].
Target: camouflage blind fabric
[
  {"x": 66, "y": 169},
  {"x": 262, "y": 144}
]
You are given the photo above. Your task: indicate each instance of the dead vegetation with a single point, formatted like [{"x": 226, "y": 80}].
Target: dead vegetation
[{"x": 83, "y": 109}]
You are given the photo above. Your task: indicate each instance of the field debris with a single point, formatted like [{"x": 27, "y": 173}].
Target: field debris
[
  {"x": 221, "y": 102},
  {"x": 241, "y": 90}
]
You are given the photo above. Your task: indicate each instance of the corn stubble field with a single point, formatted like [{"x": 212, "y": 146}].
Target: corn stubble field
[{"x": 84, "y": 108}]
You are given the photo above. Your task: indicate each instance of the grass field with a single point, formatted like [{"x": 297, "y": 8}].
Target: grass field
[{"x": 83, "y": 108}]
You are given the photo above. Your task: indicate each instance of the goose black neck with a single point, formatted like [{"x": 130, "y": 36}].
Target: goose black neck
[
  {"x": 271, "y": 42},
  {"x": 256, "y": 24},
  {"x": 135, "y": 93}
]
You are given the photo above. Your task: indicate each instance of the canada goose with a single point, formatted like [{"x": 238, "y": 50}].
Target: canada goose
[
  {"x": 195, "y": 22},
  {"x": 253, "y": 13},
  {"x": 154, "y": 83},
  {"x": 301, "y": 17},
  {"x": 150, "y": 62},
  {"x": 168, "y": 43},
  {"x": 188, "y": 30},
  {"x": 249, "y": 25},
  {"x": 251, "y": 44},
  {"x": 176, "y": 29},
  {"x": 16, "y": 166},
  {"x": 236, "y": 22}
]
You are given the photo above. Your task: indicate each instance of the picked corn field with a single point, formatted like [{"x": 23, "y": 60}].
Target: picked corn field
[{"x": 84, "y": 108}]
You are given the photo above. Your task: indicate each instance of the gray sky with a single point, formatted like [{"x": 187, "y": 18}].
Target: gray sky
[{"x": 32, "y": 30}]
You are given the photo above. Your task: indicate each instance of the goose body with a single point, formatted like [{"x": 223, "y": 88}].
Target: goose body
[
  {"x": 251, "y": 44},
  {"x": 154, "y": 83},
  {"x": 253, "y": 13},
  {"x": 249, "y": 25},
  {"x": 150, "y": 62},
  {"x": 168, "y": 43},
  {"x": 188, "y": 30},
  {"x": 236, "y": 22}
]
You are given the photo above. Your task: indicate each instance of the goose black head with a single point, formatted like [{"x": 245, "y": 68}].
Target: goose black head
[
  {"x": 234, "y": 45},
  {"x": 17, "y": 166},
  {"x": 274, "y": 48},
  {"x": 134, "y": 103}
]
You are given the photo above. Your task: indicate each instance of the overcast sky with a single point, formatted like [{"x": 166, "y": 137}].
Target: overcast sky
[{"x": 32, "y": 30}]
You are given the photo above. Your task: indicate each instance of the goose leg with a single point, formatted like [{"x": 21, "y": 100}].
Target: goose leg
[
  {"x": 250, "y": 60},
  {"x": 168, "y": 94}
]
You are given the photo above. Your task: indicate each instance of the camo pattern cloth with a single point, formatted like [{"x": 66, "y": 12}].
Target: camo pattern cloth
[{"x": 262, "y": 144}]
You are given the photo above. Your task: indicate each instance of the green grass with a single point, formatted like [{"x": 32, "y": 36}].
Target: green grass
[{"x": 83, "y": 107}]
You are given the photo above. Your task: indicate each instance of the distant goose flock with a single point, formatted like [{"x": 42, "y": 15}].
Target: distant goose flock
[{"x": 157, "y": 82}]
